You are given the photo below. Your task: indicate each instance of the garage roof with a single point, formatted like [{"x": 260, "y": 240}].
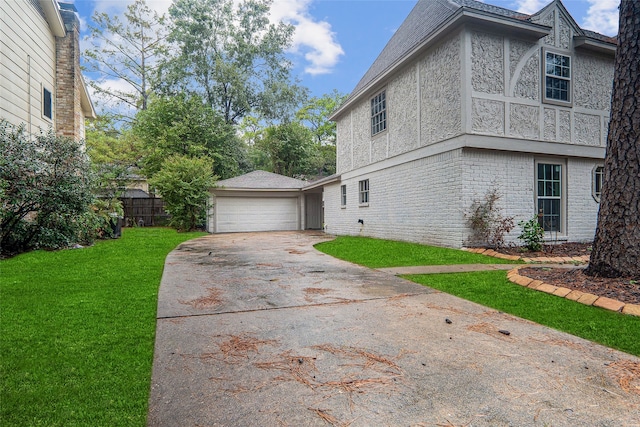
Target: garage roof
[{"x": 261, "y": 180}]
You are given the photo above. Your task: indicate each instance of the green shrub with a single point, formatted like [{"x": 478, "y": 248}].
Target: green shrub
[
  {"x": 532, "y": 234},
  {"x": 487, "y": 223},
  {"x": 184, "y": 184},
  {"x": 45, "y": 184}
]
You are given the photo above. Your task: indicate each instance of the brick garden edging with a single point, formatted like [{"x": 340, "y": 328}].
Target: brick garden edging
[
  {"x": 533, "y": 260},
  {"x": 574, "y": 295}
]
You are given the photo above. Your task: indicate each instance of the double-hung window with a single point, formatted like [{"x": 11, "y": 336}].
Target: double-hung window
[
  {"x": 557, "y": 77},
  {"x": 549, "y": 195},
  {"x": 343, "y": 195},
  {"x": 363, "y": 192},
  {"x": 378, "y": 113}
]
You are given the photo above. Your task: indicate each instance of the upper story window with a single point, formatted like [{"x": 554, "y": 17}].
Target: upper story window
[
  {"x": 363, "y": 187},
  {"x": 557, "y": 77},
  {"x": 47, "y": 104},
  {"x": 343, "y": 195},
  {"x": 596, "y": 188},
  {"x": 378, "y": 113}
]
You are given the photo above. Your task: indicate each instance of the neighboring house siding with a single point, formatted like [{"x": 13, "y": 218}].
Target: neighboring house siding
[{"x": 27, "y": 63}]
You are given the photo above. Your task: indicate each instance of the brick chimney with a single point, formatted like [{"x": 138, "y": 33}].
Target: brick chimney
[{"x": 69, "y": 117}]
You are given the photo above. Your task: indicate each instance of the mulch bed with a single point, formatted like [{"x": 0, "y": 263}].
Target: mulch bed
[
  {"x": 559, "y": 250},
  {"x": 625, "y": 289}
]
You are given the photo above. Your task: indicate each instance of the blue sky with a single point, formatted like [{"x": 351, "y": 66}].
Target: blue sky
[{"x": 337, "y": 40}]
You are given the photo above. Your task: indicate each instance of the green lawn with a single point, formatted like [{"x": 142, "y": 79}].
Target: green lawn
[
  {"x": 492, "y": 289},
  {"x": 377, "y": 253},
  {"x": 77, "y": 331}
]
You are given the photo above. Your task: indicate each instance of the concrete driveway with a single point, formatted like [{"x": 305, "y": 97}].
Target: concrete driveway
[{"x": 260, "y": 329}]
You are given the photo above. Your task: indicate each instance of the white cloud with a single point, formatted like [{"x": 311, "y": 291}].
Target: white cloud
[
  {"x": 602, "y": 17},
  {"x": 312, "y": 38},
  {"x": 530, "y": 7}
]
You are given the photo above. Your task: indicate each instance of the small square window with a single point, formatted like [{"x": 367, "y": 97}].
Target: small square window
[
  {"x": 557, "y": 77},
  {"x": 378, "y": 113},
  {"x": 343, "y": 195},
  {"x": 363, "y": 187},
  {"x": 47, "y": 104},
  {"x": 597, "y": 179}
]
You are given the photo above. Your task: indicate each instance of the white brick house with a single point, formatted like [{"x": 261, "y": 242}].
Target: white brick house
[
  {"x": 41, "y": 84},
  {"x": 466, "y": 97}
]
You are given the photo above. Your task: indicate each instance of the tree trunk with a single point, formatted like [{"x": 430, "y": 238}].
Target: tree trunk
[{"x": 616, "y": 248}]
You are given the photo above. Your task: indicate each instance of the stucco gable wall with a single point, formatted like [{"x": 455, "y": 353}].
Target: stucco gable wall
[
  {"x": 423, "y": 107},
  {"x": 27, "y": 63},
  {"x": 440, "y": 92},
  {"x": 506, "y": 83}
]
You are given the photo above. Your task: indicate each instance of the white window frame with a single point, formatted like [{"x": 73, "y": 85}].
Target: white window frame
[
  {"x": 343, "y": 196},
  {"x": 363, "y": 192},
  {"x": 44, "y": 91},
  {"x": 560, "y": 224},
  {"x": 379, "y": 113},
  {"x": 597, "y": 178},
  {"x": 558, "y": 73}
]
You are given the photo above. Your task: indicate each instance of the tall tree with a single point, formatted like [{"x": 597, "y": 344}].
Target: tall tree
[
  {"x": 315, "y": 114},
  {"x": 183, "y": 125},
  {"x": 290, "y": 149},
  {"x": 126, "y": 52},
  {"x": 232, "y": 56},
  {"x": 114, "y": 155},
  {"x": 616, "y": 248}
]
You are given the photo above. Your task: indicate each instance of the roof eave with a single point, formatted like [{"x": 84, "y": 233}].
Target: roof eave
[
  {"x": 85, "y": 101},
  {"x": 52, "y": 15},
  {"x": 322, "y": 182},
  {"x": 599, "y": 46},
  {"x": 283, "y": 190},
  {"x": 461, "y": 17}
]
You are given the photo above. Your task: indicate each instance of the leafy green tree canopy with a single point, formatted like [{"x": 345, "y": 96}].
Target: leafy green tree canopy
[
  {"x": 231, "y": 55},
  {"x": 315, "y": 114},
  {"x": 183, "y": 125},
  {"x": 290, "y": 149},
  {"x": 114, "y": 155},
  {"x": 184, "y": 184}
]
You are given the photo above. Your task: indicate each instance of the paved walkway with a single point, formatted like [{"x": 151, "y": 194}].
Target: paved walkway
[{"x": 260, "y": 329}]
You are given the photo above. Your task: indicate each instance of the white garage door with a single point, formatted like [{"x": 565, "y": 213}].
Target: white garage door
[{"x": 256, "y": 214}]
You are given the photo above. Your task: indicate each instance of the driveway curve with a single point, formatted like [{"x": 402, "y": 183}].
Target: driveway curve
[{"x": 260, "y": 329}]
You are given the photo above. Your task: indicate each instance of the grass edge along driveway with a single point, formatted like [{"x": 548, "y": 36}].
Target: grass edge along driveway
[
  {"x": 77, "y": 330},
  {"x": 491, "y": 289}
]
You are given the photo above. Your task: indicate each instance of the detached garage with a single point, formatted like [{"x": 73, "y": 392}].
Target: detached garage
[{"x": 261, "y": 201}]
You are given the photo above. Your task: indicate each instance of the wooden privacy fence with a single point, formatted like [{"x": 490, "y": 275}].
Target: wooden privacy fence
[{"x": 144, "y": 211}]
